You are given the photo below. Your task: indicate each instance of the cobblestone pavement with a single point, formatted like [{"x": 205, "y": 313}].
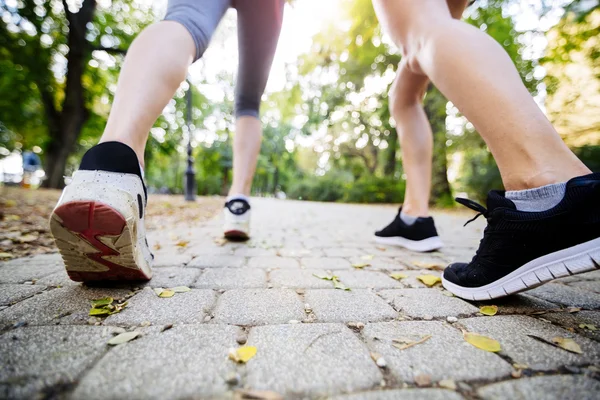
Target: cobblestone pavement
[{"x": 313, "y": 341}]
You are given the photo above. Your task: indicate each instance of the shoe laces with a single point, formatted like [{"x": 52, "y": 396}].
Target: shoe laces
[{"x": 473, "y": 205}]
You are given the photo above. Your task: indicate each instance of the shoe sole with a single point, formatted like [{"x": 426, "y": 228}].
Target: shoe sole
[
  {"x": 572, "y": 261},
  {"x": 422, "y": 246},
  {"x": 96, "y": 242},
  {"x": 236, "y": 235}
]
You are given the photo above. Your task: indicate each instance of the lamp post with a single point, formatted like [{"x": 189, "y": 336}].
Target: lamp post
[{"x": 190, "y": 172}]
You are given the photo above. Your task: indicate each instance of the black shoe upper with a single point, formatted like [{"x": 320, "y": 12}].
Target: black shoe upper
[
  {"x": 237, "y": 206},
  {"x": 422, "y": 228},
  {"x": 513, "y": 238}
]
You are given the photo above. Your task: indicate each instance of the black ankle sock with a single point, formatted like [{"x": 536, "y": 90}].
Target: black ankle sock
[{"x": 111, "y": 157}]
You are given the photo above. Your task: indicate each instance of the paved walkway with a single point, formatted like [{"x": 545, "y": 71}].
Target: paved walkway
[{"x": 313, "y": 341}]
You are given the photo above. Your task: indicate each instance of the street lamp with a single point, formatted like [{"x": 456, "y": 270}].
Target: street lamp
[{"x": 190, "y": 172}]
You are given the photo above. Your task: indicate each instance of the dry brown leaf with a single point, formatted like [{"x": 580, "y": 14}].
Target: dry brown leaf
[
  {"x": 482, "y": 342},
  {"x": 157, "y": 246},
  {"x": 429, "y": 280},
  {"x": 242, "y": 354},
  {"x": 381, "y": 248},
  {"x": 403, "y": 343},
  {"x": 489, "y": 310},
  {"x": 423, "y": 380},
  {"x": 567, "y": 344}
]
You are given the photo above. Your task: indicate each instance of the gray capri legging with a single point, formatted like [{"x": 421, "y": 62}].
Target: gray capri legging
[{"x": 259, "y": 24}]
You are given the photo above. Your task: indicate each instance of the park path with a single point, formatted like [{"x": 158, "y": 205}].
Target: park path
[{"x": 313, "y": 341}]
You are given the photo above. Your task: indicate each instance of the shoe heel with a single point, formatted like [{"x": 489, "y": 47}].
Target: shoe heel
[{"x": 96, "y": 242}]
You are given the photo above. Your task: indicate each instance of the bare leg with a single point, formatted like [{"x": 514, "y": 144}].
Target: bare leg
[
  {"x": 475, "y": 73},
  {"x": 153, "y": 70},
  {"x": 246, "y": 147},
  {"x": 416, "y": 138}
]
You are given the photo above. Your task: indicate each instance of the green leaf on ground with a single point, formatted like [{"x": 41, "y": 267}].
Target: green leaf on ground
[
  {"x": 339, "y": 285},
  {"x": 102, "y": 302},
  {"x": 482, "y": 342},
  {"x": 123, "y": 338},
  {"x": 325, "y": 277},
  {"x": 361, "y": 265},
  {"x": 489, "y": 310},
  {"x": 95, "y": 312}
]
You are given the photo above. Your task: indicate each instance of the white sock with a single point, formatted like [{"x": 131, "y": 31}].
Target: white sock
[
  {"x": 407, "y": 219},
  {"x": 539, "y": 199}
]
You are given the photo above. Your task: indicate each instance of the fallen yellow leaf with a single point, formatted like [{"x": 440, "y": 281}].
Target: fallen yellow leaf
[
  {"x": 242, "y": 354},
  {"x": 361, "y": 265},
  {"x": 482, "y": 342},
  {"x": 167, "y": 293},
  {"x": 367, "y": 257},
  {"x": 6, "y": 255},
  {"x": 489, "y": 310},
  {"x": 10, "y": 203},
  {"x": 567, "y": 344},
  {"x": 397, "y": 276},
  {"x": 428, "y": 265},
  {"x": 123, "y": 338},
  {"x": 590, "y": 327},
  {"x": 180, "y": 289},
  {"x": 339, "y": 285},
  {"x": 429, "y": 280},
  {"x": 182, "y": 243}
]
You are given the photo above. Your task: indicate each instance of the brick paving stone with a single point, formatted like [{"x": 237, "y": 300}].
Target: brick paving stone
[
  {"x": 325, "y": 263},
  {"x": 273, "y": 262},
  {"x": 10, "y": 294},
  {"x": 68, "y": 305},
  {"x": 218, "y": 261},
  {"x": 592, "y": 286},
  {"x": 255, "y": 252},
  {"x": 232, "y": 278},
  {"x": 26, "y": 269},
  {"x": 299, "y": 278},
  {"x": 521, "y": 303},
  {"x": 556, "y": 387},
  {"x": 258, "y": 307},
  {"x": 343, "y": 252},
  {"x": 567, "y": 296},
  {"x": 333, "y": 305},
  {"x": 309, "y": 360},
  {"x": 573, "y": 320},
  {"x": 168, "y": 277},
  {"x": 403, "y": 394},
  {"x": 367, "y": 279},
  {"x": 146, "y": 306},
  {"x": 170, "y": 260},
  {"x": 296, "y": 252},
  {"x": 57, "y": 279},
  {"x": 511, "y": 331},
  {"x": 209, "y": 250},
  {"x": 444, "y": 356},
  {"x": 183, "y": 362},
  {"x": 418, "y": 303},
  {"x": 38, "y": 361}
]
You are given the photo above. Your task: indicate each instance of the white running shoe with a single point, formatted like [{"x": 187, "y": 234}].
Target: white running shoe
[
  {"x": 98, "y": 223},
  {"x": 237, "y": 219}
]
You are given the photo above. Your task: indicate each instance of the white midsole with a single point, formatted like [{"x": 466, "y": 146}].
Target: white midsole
[
  {"x": 574, "y": 260},
  {"x": 429, "y": 244}
]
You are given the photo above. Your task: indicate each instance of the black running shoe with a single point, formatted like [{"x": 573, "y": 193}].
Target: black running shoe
[
  {"x": 521, "y": 250},
  {"x": 420, "y": 236}
]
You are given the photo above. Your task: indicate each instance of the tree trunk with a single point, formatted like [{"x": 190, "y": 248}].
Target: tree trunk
[
  {"x": 67, "y": 123},
  {"x": 435, "y": 108}
]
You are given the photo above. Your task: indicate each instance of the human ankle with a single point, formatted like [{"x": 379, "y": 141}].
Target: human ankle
[{"x": 543, "y": 178}]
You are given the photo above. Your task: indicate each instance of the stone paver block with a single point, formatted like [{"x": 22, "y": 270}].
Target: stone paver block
[
  {"x": 333, "y": 305},
  {"x": 519, "y": 304},
  {"x": 343, "y": 252},
  {"x": 299, "y": 360},
  {"x": 273, "y": 262},
  {"x": 255, "y": 252},
  {"x": 592, "y": 286},
  {"x": 183, "y": 362},
  {"x": 26, "y": 269},
  {"x": 170, "y": 260},
  {"x": 258, "y": 307},
  {"x": 299, "y": 278},
  {"x": 168, "y": 277},
  {"x": 298, "y": 252},
  {"x": 219, "y": 261},
  {"x": 444, "y": 356},
  {"x": 232, "y": 278},
  {"x": 418, "y": 303},
  {"x": 377, "y": 263},
  {"x": 567, "y": 296},
  {"x": 573, "y": 320},
  {"x": 367, "y": 279},
  {"x": 57, "y": 279},
  {"x": 10, "y": 294},
  {"x": 403, "y": 394},
  {"x": 325, "y": 263},
  {"x": 555, "y": 387},
  {"x": 188, "y": 307},
  {"x": 68, "y": 305},
  {"x": 511, "y": 332},
  {"x": 36, "y": 360}
]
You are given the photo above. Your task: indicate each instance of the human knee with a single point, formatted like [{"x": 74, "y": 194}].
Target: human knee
[
  {"x": 247, "y": 105},
  {"x": 196, "y": 24}
]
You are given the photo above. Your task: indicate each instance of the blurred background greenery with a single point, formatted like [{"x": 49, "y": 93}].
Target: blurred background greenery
[{"x": 328, "y": 134}]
